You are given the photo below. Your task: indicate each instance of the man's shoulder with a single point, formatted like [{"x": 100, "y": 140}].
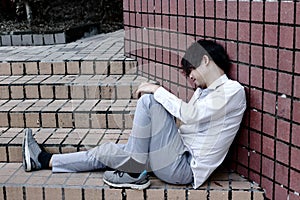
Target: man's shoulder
[{"x": 234, "y": 83}]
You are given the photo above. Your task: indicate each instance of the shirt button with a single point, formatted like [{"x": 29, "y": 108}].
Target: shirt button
[{"x": 193, "y": 163}]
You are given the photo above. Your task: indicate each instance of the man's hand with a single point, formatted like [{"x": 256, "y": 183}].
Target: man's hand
[{"x": 146, "y": 88}]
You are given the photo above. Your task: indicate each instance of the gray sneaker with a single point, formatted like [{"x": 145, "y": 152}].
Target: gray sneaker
[
  {"x": 30, "y": 152},
  {"x": 120, "y": 179}
]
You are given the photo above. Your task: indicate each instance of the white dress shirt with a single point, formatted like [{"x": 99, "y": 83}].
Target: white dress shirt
[{"x": 210, "y": 119}]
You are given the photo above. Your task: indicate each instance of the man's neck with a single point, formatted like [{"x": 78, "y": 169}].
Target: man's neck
[{"x": 215, "y": 73}]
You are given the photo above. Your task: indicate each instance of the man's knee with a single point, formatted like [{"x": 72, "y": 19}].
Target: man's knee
[{"x": 147, "y": 99}]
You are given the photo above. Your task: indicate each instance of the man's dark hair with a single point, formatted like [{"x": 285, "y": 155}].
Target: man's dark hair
[{"x": 194, "y": 54}]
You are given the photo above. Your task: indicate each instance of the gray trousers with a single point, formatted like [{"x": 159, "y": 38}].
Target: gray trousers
[{"x": 154, "y": 144}]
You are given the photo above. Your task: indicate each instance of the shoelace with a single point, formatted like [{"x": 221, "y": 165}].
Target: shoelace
[{"x": 119, "y": 173}]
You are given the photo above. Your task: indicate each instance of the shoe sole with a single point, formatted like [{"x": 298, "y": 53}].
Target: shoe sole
[
  {"x": 26, "y": 154},
  {"x": 128, "y": 185}
]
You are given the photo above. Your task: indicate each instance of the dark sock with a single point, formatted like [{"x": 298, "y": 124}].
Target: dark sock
[
  {"x": 44, "y": 159},
  {"x": 134, "y": 175}
]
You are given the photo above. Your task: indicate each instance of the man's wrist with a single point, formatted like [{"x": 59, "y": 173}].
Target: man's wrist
[{"x": 155, "y": 88}]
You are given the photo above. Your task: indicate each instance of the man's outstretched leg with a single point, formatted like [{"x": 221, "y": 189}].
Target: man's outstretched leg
[{"x": 34, "y": 158}]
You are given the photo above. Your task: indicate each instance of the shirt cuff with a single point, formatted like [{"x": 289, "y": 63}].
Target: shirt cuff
[
  {"x": 168, "y": 100},
  {"x": 159, "y": 93}
]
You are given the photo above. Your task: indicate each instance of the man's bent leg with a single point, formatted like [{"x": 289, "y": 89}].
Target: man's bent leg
[
  {"x": 168, "y": 157},
  {"x": 152, "y": 126},
  {"x": 155, "y": 141}
]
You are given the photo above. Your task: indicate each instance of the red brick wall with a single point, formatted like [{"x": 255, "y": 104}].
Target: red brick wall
[{"x": 263, "y": 41}]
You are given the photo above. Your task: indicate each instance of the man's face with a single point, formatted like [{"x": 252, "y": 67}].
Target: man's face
[
  {"x": 197, "y": 75},
  {"x": 197, "y": 78}
]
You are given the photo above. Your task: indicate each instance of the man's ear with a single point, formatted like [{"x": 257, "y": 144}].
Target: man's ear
[{"x": 205, "y": 59}]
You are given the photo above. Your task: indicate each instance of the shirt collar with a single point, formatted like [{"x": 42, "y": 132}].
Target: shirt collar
[{"x": 220, "y": 81}]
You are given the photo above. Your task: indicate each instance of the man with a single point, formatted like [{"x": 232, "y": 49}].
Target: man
[{"x": 188, "y": 154}]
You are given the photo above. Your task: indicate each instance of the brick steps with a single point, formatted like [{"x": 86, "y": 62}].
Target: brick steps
[
  {"x": 102, "y": 47},
  {"x": 116, "y": 66},
  {"x": 17, "y": 184},
  {"x": 49, "y": 113},
  {"x": 69, "y": 86},
  {"x": 57, "y": 140},
  {"x": 76, "y": 96}
]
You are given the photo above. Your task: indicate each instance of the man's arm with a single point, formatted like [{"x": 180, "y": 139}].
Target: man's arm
[
  {"x": 214, "y": 106},
  {"x": 194, "y": 111}
]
